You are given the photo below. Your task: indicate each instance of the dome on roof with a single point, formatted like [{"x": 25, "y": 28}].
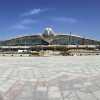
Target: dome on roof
[
  {"x": 48, "y": 29},
  {"x": 48, "y": 32}
]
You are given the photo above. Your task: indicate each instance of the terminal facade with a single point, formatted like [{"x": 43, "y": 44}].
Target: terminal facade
[{"x": 49, "y": 37}]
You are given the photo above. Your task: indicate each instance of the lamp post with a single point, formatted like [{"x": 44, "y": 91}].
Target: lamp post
[{"x": 70, "y": 38}]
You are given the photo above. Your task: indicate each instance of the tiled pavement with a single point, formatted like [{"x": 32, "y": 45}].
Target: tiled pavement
[{"x": 50, "y": 78}]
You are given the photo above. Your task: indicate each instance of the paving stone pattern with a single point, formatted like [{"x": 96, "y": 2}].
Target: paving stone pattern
[{"x": 50, "y": 78}]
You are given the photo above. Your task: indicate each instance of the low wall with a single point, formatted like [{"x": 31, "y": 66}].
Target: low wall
[{"x": 23, "y": 55}]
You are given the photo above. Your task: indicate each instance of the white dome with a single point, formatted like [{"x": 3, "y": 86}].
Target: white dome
[{"x": 48, "y": 31}]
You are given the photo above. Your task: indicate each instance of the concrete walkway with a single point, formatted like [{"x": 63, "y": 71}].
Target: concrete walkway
[{"x": 50, "y": 78}]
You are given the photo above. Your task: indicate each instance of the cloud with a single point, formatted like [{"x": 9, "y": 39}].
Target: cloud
[
  {"x": 66, "y": 19},
  {"x": 24, "y": 24},
  {"x": 28, "y": 21},
  {"x": 33, "y": 12},
  {"x": 19, "y": 26}
]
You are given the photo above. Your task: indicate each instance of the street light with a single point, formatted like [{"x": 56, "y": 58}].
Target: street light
[{"x": 70, "y": 38}]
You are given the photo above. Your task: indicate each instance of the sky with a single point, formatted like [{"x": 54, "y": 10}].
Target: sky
[{"x": 27, "y": 17}]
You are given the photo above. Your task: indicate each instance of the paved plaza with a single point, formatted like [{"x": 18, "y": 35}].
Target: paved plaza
[{"x": 50, "y": 78}]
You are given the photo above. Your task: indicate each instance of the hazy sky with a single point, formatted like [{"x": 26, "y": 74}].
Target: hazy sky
[{"x": 23, "y": 17}]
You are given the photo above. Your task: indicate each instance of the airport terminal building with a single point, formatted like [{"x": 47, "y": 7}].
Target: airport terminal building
[{"x": 49, "y": 37}]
